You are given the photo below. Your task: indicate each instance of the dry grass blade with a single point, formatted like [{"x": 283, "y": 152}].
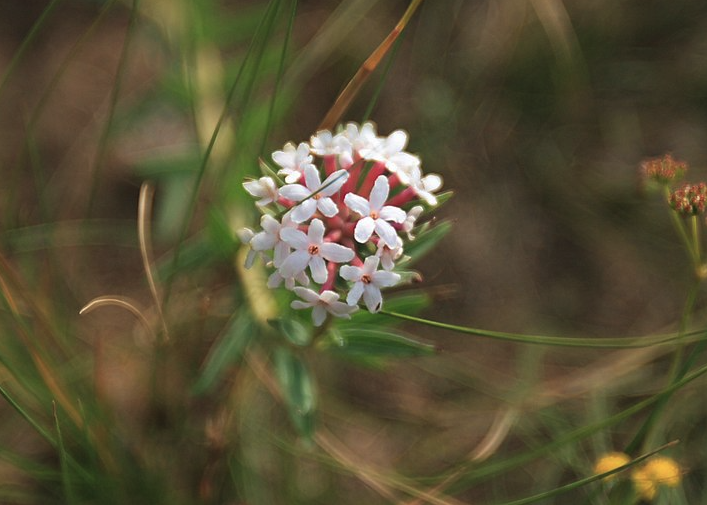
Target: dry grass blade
[
  {"x": 343, "y": 101},
  {"x": 143, "y": 228},
  {"x": 122, "y": 302}
]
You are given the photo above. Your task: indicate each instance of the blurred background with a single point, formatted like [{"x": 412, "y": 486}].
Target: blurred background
[{"x": 537, "y": 113}]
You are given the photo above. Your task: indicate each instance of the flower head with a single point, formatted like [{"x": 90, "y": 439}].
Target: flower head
[
  {"x": 689, "y": 200},
  {"x": 611, "y": 461},
  {"x": 362, "y": 212},
  {"x": 657, "y": 472},
  {"x": 663, "y": 170}
]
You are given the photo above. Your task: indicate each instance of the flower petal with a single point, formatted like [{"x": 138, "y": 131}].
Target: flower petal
[
  {"x": 295, "y": 238},
  {"x": 299, "y": 305},
  {"x": 263, "y": 241},
  {"x": 304, "y": 211},
  {"x": 335, "y": 252},
  {"x": 384, "y": 279},
  {"x": 364, "y": 229},
  {"x": 350, "y": 273},
  {"x": 385, "y": 231},
  {"x": 318, "y": 268},
  {"x": 311, "y": 178},
  {"x": 333, "y": 183},
  {"x": 379, "y": 193},
  {"x": 395, "y": 214},
  {"x": 357, "y": 204},
  {"x": 355, "y": 294},
  {"x": 370, "y": 265},
  {"x": 318, "y": 315},
  {"x": 307, "y": 294},
  {"x": 372, "y": 298},
  {"x": 294, "y": 264},
  {"x": 294, "y": 192},
  {"x": 315, "y": 233},
  {"x": 327, "y": 207}
]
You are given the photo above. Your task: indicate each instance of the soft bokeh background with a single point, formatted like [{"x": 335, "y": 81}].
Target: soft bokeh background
[{"x": 536, "y": 112}]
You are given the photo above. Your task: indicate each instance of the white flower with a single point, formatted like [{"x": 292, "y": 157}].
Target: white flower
[
  {"x": 410, "y": 220},
  {"x": 389, "y": 255},
  {"x": 326, "y": 301},
  {"x": 315, "y": 195},
  {"x": 293, "y": 161},
  {"x": 325, "y": 144},
  {"x": 386, "y": 147},
  {"x": 363, "y": 139},
  {"x": 375, "y": 214},
  {"x": 311, "y": 250},
  {"x": 263, "y": 188},
  {"x": 270, "y": 238},
  {"x": 367, "y": 282},
  {"x": 425, "y": 186}
]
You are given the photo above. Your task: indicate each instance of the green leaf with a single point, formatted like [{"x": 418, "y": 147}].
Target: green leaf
[
  {"x": 293, "y": 331},
  {"x": 225, "y": 352},
  {"x": 298, "y": 390},
  {"x": 370, "y": 342},
  {"x": 427, "y": 239}
]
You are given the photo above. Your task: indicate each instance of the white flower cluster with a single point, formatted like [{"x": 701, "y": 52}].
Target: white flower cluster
[{"x": 341, "y": 229}]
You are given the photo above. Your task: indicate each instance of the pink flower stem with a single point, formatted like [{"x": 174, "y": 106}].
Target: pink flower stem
[
  {"x": 377, "y": 169},
  {"x": 402, "y": 198},
  {"x": 331, "y": 277},
  {"x": 330, "y": 163}
]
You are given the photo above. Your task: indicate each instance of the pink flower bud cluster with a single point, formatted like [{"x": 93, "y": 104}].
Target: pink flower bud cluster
[
  {"x": 690, "y": 199},
  {"x": 339, "y": 219},
  {"x": 663, "y": 170}
]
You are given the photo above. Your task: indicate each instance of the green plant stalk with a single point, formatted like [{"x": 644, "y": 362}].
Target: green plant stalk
[
  {"x": 265, "y": 23},
  {"x": 596, "y": 343},
  {"x": 115, "y": 92},
  {"x": 679, "y": 226}
]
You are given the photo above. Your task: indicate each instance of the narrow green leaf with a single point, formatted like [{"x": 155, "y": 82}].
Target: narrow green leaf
[
  {"x": 297, "y": 389},
  {"x": 369, "y": 342},
  {"x": 63, "y": 459},
  {"x": 293, "y": 331},
  {"x": 225, "y": 352}
]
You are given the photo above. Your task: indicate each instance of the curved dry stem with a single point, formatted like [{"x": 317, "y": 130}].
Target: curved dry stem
[
  {"x": 144, "y": 216},
  {"x": 119, "y": 301},
  {"x": 343, "y": 101}
]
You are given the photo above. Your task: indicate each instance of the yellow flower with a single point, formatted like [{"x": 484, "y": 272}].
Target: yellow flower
[
  {"x": 659, "y": 471},
  {"x": 664, "y": 471},
  {"x": 644, "y": 484},
  {"x": 609, "y": 462}
]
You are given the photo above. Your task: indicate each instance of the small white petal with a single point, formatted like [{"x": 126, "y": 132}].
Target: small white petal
[
  {"x": 304, "y": 211},
  {"x": 307, "y": 294},
  {"x": 384, "y": 279},
  {"x": 311, "y": 177},
  {"x": 295, "y": 238},
  {"x": 282, "y": 250},
  {"x": 333, "y": 183},
  {"x": 372, "y": 298},
  {"x": 370, "y": 265},
  {"x": 431, "y": 182},
  {"x": 294, "y": 264},
  {"x": 327, "y": 296},
  {"x": 318, "y": 315},
  {"x": 315, "y": 234},
  {"x": 386, "y": 232},
  {"x": 318, "y": 268},
  {"x": 341, "y": 309},
  {"x": 327, "y": 207},
  {"x": 263, "y": 241},
  {"x": 299, "y": 305},
  {"x": 357, "y": 204},
  {"x": 294, "y": 192},
  {"x": 350, "y": 273},
  {"x": 364, "y": 229},
  {"x": 336, "y": 253},
  {"x": 395, "y": 214},
  {"x": 355, "y": 294},
  {"x": 379, "y": 193}
]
